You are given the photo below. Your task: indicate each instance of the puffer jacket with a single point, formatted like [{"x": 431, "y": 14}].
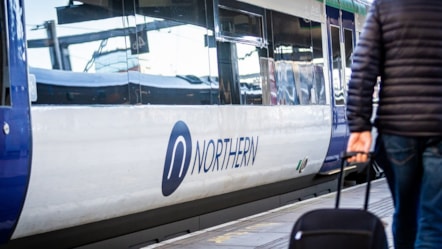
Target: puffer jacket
[{"x": 401, "y": 42}]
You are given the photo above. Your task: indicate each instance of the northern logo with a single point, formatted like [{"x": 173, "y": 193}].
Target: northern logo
[
  {"x": 209, "y": 156},
  {"x": 177, "y": 160}
]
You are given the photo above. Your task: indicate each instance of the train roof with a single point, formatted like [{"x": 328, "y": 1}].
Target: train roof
[{"x": 354, "y": 6}]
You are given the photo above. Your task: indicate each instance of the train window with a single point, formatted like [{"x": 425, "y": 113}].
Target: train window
[
  {"x": 241, "y": 49},
  {"x": 241, "y": 25},
  {"x": 4, "y": 81},
  {"x": 111, "y": 52},
  {"x": 181, "y": 56},
  {"x": 337, "y": 65},
  {"x": 348, "y": 43},
  {"x": 249, "y": 74},
  {"x": 78, "y": 53},
  {"x": 298, "y": 60},
  {"x": 318, "y": 87}
]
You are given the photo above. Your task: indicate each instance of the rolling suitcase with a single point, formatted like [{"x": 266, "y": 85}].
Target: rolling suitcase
[{"x": 340, "y": 228}]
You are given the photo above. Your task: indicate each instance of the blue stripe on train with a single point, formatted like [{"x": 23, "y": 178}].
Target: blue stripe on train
[{"x": 15, "y": 127}]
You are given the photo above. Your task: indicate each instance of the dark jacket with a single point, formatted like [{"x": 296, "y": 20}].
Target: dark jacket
[{"x": 401, "y": 42}]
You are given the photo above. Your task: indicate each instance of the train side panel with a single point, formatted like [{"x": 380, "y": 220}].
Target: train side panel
[
  {"x": 145, "y": 109},
  {"x": 91, "y": 164}
]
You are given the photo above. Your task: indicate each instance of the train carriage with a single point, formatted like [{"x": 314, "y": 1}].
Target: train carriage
[{"x": 141, "y": 119}]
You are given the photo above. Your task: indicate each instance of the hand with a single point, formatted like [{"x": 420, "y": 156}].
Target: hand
[{"x": 359, "y": 141}]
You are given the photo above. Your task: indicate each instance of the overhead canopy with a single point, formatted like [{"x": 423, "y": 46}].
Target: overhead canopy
[{"x": 354, "y": 6}]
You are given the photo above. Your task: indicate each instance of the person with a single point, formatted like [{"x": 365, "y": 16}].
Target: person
[{"x": 401, "y": 42}]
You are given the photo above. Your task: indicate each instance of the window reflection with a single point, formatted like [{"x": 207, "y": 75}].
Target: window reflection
[
  {"x": 165, "y": 52},
  {"x": 241, "y": 46},
  {"x": 337, "y": 66},
  {"x": 99, "y": 53},
  {"x": 240, "y": 25},
  {"x": 177, "y": 69},
  {"x": 249, "y": 74},
  {"x": 299, "y": 63},
  {"x": 348, "y": 43}
]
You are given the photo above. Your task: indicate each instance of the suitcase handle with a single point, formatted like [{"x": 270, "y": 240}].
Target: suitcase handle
[
  {"x": 344, "y": 156},
  {"x": 347, "y": 154}
]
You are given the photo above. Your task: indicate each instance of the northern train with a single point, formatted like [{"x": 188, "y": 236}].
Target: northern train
[{"x": 128, "y": 118}]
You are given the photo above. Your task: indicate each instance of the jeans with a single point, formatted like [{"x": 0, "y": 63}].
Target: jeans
[{"x": 415, "y": 179}]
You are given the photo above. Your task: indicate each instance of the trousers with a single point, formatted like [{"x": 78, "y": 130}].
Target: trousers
[{"x": 414, "y": 175}]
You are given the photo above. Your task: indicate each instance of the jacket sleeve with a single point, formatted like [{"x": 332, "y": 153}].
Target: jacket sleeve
[{"x": 367, "y": 64}]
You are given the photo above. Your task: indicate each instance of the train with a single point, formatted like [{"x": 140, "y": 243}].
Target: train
[{"x": 143, "y": 120}]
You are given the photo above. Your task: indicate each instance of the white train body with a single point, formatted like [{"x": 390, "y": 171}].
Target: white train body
[{"x": 118, "y": 121}]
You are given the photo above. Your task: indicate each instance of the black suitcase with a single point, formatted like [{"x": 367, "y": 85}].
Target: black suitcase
[{"x": 340, "y": 228}]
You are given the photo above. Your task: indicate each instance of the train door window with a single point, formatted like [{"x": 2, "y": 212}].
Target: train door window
[
  {"x": 178, "y": 62},
  {"x": 319, "y": 90},
  {"x": 4, "y": 81},
  {"x": 337, "y": 65},
  {"x": 348, "y": 44}
]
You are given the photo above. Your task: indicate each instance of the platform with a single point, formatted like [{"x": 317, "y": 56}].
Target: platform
[{"x": 272, "y": 229}]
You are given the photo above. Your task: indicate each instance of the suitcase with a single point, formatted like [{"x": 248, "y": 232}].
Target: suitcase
[{"x": 340, "y": 228}]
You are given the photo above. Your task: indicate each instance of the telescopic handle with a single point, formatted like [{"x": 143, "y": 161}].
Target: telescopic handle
[{"x": 344, "y": 156}]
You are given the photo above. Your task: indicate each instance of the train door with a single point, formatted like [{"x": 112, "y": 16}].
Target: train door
[
  {"x": 340, "y": 28},
  {"x": 240, "y": 45},
  {"x": 15, "y": 131}
]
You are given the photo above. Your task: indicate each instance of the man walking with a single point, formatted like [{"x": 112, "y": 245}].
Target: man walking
[{"x": 402, "y": 43}]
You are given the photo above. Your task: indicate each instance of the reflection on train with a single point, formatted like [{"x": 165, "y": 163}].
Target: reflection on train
[
  {"x": 67, "y": 87},
  {"x": 143, "y": 119},
  {"x": 156, "y": 42}
]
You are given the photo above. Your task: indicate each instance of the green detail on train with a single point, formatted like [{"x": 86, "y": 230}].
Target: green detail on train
[{"x": 358, "y": 7}]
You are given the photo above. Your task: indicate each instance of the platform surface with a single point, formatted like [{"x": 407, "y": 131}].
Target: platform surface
[{"x": 271, "y": 229}]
